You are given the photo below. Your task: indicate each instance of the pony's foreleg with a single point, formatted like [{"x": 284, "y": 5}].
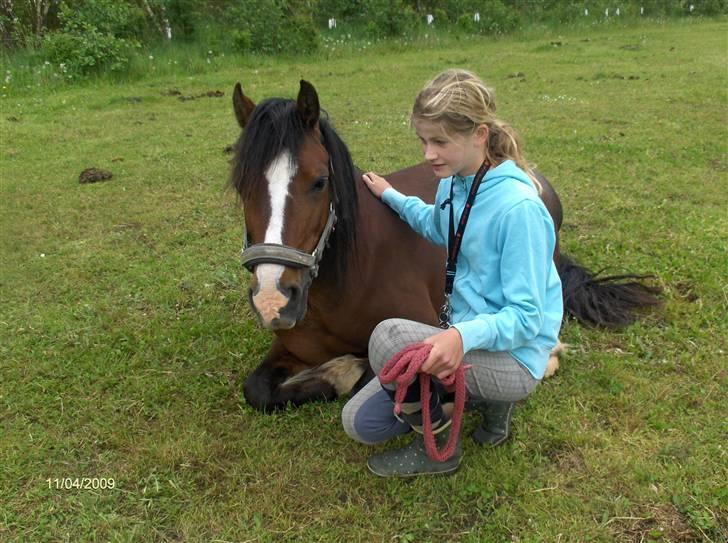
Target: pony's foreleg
[
  {"x": 283, "y": 379},
  {"x": 343, "y": 373}
]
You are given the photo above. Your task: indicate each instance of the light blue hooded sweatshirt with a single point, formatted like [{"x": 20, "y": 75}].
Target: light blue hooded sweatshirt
[{"x": 507, "y": 292}]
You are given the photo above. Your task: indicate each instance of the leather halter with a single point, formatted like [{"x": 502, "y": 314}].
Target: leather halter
[{"x": 276, "y": 253}]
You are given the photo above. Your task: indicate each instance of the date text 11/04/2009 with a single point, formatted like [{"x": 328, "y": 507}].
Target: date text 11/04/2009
[{"x": 81, "y": 483}]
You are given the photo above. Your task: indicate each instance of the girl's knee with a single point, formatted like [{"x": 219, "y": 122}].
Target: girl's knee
[
  {"x": 385, "y": 341},
  {"x": 382, "y": 332},
  {"x": 348, "y": 415}
]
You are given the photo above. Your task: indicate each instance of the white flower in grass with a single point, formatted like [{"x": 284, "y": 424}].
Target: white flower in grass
[{"x": 151, "y": 57}]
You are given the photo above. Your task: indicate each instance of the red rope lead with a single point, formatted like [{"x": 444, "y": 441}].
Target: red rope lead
[{"x": 401, "y": 369}]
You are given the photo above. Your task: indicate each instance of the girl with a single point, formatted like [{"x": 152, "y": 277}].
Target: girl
[{"x": 505, "y": 309}]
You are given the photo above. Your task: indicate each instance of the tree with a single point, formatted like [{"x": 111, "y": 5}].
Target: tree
[
  {"x": 40, "y": 13},
  {"x": 159, "y": 19}
]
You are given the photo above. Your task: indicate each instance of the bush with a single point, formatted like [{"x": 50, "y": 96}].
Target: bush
[
  {"x": 377, "y": 18},
  {"x": 87, "y": 51},
  {"x": 98, "y": 34},
  {"x": 386, "y": 18},
  {"x": 495, "y": 17},
  {"x": 268, "y": 26},
  {"x": 117, "y": 19},
  {"x": 183, "y": 16}
]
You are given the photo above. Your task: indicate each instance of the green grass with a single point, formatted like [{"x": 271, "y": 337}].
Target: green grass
[{"x": 125, "y": 333}]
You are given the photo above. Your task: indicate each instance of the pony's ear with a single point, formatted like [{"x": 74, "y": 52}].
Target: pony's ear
[
  {"x": 308, "y": 104},
  {"x": 242, "y": 105}
]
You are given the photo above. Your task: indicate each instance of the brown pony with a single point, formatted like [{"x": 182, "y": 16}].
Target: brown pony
[{"x": 329, "y": 261}]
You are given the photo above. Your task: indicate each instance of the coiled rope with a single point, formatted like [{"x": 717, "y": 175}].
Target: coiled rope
[{"x": 402, "y": 369}]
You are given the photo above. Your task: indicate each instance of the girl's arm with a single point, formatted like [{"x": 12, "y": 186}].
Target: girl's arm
[{"x": 422, "y": 218}]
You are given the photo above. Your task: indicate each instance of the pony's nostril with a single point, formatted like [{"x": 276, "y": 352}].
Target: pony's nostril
[{"x": 292, "y": 293}]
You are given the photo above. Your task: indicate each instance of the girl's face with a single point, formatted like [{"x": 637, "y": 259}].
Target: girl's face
[{"x": 458, "y": 154}]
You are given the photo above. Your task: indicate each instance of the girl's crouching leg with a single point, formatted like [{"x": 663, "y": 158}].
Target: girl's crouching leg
[{"x": 369, "y": 418}]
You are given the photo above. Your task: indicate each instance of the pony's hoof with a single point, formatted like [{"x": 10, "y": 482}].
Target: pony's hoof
[{"x": 553, "y": 364}]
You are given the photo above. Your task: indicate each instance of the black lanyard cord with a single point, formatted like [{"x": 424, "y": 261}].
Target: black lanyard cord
[{"x": 455, "y": 239}]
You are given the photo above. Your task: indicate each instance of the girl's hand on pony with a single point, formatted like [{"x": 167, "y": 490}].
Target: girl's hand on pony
[
  {"x": 375, "y": 183},
  {"x": 446, "y": 353}
]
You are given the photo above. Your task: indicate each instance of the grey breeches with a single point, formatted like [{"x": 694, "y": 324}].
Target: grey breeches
[{"x": 368, "y": 416}]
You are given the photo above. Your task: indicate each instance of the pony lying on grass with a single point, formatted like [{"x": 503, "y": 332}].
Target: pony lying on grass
[{"x": 329, "y": 262}]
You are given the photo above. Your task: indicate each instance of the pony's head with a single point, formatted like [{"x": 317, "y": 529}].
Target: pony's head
[{"x": 295, "y": 178}]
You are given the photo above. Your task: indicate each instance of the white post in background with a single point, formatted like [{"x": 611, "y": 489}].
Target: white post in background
[
  {"x": 606, "y": 12},
  {"x": 586, "y": 12},
  {"x": 692, "y": 7},
  {"x": 617, "y": 14},
  {"x": 476, "y": 17},
  {"x": 332, "y": 23},
  {"x": 430, "y": 18},
  {"x": 642, "y": 10}
]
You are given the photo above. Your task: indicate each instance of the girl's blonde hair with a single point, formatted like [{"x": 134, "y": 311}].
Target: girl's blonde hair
[{"x": 459, "y": 102}]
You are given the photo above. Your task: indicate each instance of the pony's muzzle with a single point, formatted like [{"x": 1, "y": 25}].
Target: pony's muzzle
[{"x": 280, "y": 304}]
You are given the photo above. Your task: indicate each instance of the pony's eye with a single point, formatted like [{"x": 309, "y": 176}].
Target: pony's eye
[{"x": 320, "y": 184}]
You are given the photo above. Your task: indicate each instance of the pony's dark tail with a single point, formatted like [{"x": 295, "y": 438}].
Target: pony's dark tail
[{"x": 608, "y": 301}]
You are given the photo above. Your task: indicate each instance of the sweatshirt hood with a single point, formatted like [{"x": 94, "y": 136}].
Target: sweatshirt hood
[{"x": 505, "y": 170}]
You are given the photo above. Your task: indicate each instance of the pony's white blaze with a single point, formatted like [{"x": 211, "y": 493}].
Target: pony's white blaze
[{"x": 269, "y": 300}]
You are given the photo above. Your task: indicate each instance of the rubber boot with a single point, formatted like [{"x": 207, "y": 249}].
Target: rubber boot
[
  {"x": 412, "y": 460},
  {"x": 495, "y": 427}
]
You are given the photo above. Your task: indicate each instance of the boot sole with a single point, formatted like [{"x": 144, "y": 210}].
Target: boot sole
[{"x": 405, "y": 475}]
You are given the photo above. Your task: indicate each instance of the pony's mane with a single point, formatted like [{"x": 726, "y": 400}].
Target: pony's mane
[{"x": 276, "y": 126}]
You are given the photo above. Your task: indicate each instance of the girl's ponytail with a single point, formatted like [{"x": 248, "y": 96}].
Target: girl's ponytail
[{"x": 504, "y": 143}]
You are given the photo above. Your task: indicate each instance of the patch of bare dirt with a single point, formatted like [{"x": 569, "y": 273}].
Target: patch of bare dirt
[
  {"x": 719, "y": 164},
  {"x": 660, "y": 522},
  {"x": 183, "y": 98}
]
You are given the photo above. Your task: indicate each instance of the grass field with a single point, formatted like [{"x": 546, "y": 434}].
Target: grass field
[{"x": 125, "y": 333}]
